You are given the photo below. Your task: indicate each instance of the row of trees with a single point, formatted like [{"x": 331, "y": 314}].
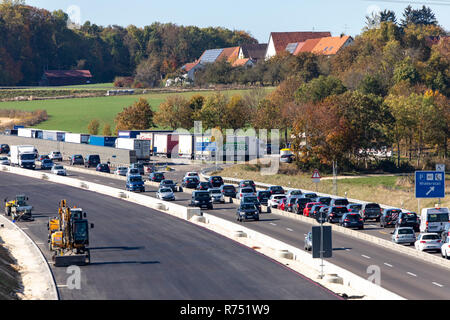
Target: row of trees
[{"x": 34, "y": 39}]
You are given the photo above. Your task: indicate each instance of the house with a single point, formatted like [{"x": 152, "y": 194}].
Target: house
[
  {"x": 254, "y": 52},
  {"x": 190, "y": 68},
  {"x": 331, "y": 45},
  {"x": 279, "y": 40},
  {"x": 246, "y": 62},
  {"x": 65, "y": 77}
]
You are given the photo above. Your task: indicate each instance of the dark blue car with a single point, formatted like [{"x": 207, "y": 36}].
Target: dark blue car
[
  {"x": 46, "y": 164},
  {"x": 135, "y": 183}
]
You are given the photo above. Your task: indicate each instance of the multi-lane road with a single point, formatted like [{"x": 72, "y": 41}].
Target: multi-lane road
[
  {"x": 140, "y": 253},
  {"x": 402, "y": 274}
]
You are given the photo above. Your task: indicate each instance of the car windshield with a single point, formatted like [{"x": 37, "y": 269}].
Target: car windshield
[
  {"x": 250, "y": 199},
  {"x": 411, "y": 215},
  {"x": 47, "y": 161},
  {"x": 215, "y": 191},
  {"x": 438, "y": 217},
  {"x": 135, "y": 179},
  {"x": 158, "y": 175},
  {"x": 353, "y": 217},
  {"x": 264, "y": 194},
  {"x": 355, "y": 206},
  {"x": 229, "y": 188},
  {"x": 247, "y": 206},
  {"x": 27, "y": 156},
  {"x": 341, "y": 202},
  {"x": 78, "y": 157},
  {"x": 191, "y": 174},
  {"x": 372, "y": 206},
  {"x": 202, "y": 195},
  {"x": 122, "y": 168},
  {"x": 279, "y": 197},
  {"x": 247, "y": 190},
  {"x": 167, "y": 182},
  {"x": 310, "y": 195},
  {"x": 217, "y": 179},
  {"x": 296, "y": 192},
  {"x": 191, "y": 180},
  {"x": 164, "y": 190},
  {"x": 58, "y": 167},
  {"x": 430, "y": 237},
  {"x": 339, "y": 209},
  {"x": 277, "y": 188},
  {"x": 3, "y": 158},
  {"x": 94, "y": 158},
  {"x": 405, "y": 231}
]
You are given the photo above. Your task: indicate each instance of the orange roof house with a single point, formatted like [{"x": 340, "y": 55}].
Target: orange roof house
[
  {"x": 331, "y": 45},
  {"x": 279, "y": 40}
]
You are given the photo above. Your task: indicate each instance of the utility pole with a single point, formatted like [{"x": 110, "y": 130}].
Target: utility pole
[{"x": 335, "y": 189}]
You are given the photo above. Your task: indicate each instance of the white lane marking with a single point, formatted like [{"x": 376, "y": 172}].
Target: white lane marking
[
  {"x": 412, "y": 274},
  {"x": 367, "y": 257},
  {"x": 111, "y": 183},
  {"x": 39, "y": 243},
  {"x": 25, "y": 228},
  {"x": 61, "y": 285},
  {"x": 289, "y": 229},
  {"x": 274, "y": 224},
  {"x": 437, "y": 284},
  {"x": 387, "y": 264},
  {"x": 96, "y": 180}
]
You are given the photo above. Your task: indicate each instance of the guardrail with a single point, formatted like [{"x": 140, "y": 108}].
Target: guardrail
[{"x": 355, "y": 234}]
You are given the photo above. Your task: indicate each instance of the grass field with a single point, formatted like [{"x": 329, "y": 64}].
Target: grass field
[
  {"x": 389, "y": 190},
  {"x": 74, "y": 114}
]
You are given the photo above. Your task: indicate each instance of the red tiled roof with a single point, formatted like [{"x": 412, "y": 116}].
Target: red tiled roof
[
  {"x": 68, "y": 74},
  {"x": 307, "y": 46},
  {"x": 240, "y": 62},
  {"x": 330, "y": 45},
  {"x": 230, "y": 54},
  {"x": 188, "y": 66},
  {"x": 282, "y": 39}
]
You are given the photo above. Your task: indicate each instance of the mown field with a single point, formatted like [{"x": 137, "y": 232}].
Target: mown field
[
  {"x": 74, "y": 114},
  {"x": 385, "y": 189}
]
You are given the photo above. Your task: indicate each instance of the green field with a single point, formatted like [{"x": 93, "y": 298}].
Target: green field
[{"x": 73, "y": 115}]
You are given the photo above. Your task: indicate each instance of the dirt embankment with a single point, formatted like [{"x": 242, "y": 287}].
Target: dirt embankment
[{"x": 10, "y": 282}]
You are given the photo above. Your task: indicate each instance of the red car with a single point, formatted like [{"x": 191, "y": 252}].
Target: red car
[
  {"x": 282, "y": 204},
  {"x": 309, "y": 205}
]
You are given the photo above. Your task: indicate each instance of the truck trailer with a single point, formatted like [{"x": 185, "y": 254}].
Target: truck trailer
[
  {"x": 142, "y": 147},
  {"x": 77, "y": 138}
]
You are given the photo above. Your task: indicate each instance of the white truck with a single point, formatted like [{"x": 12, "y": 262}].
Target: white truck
[
  {"x": 165, "y": 144},
  {"x": 186, "y": 146},
  {"x": 434, "y": 219},
  {"x": 23, "y": 156},
  {"x": 76, "y": 138},
  {"x": 142, "y": 147}
]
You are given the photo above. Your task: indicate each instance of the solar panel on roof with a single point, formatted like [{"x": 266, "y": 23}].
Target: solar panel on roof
[
  {"x": 210, "y": 56},
  {"x": 291, "y": 47}
]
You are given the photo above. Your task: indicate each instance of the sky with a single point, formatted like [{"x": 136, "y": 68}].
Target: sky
[{"x": 258, "y": 18}]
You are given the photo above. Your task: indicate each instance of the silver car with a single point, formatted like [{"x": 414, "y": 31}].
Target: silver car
[
  {"x": 165, "y": 193},
  {"x": 245, "y": 191},
  {"x": 121, "y": 171},
  {"x": 308, "y": 241},
  {"x": 216, "y": 195},
  {"x": 404, "y": 235},
  {"x": 4, "y": 161},
  {"x": 59, "y": 170}
]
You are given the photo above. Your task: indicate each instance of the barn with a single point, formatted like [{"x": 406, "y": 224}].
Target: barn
[{"x": 65, "y": 77}]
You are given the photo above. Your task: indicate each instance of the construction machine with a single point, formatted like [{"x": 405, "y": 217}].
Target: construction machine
[
  {"x": 18, "y": 208},
  {"x": 69, "y": 236}
]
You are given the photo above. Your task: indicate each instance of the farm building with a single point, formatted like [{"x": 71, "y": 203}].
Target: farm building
[{"x": 65, "y": 77}]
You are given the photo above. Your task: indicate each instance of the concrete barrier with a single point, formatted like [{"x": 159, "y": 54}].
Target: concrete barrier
[
  {"x": 352, "y": 233},
  {"x": 238, "y": 230}
]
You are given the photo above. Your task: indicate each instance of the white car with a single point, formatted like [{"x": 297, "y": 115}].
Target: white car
[
  {"x": 165, "y": 193},
  {"x": 275, "y": 200},
  {"x": 59, "y": 170},
  {"x": 445, "y": 249},
  {"x": 4, "y": 161},
  {"x": 55, "y": 155},
  {"x": 192, "y": 174},
  {"x": 121, "y": 171},
  {"x": 428, "y": 241},
  {"x": 216, "y": 195},
  {"x": 245, "y": 191},
  {"x": 133, "y": 172}
]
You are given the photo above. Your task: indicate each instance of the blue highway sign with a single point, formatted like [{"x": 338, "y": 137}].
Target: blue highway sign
[{"x": 430, "y": 184}]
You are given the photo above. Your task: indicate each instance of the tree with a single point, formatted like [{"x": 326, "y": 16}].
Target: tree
[
  {"x": 420, "y": 16},
  {"x": 406, "y": 71},
  {"x": 107, "y": 130},
  {"x": 93, "y": 126},
  {"x": 213, "y": 111},
  {"x": 237, "y": 113},
  {"x": 175, "y": 113},
  {"x": 138, "y": 116},
  {"x": 319, "y": 88},
  {"x": 388, "y": 16}
]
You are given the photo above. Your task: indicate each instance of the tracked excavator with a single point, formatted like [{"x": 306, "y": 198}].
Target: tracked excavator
[{"x": 69, "y": 236}]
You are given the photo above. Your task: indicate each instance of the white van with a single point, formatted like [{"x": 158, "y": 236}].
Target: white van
[{"x": 434, "y": 219}]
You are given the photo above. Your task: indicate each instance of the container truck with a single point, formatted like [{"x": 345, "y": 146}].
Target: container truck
[
  {"x": 165, "y": 144},
  {"x": 205, "y": 148},
  {"x": 29, "y": 133},
  {"x": 53, "y": 135},
  {"x": 77, "y": 138},
  {"x": 23, "y": 156},
  {"x": 102, "y": 141},
  {"x": 142, "y": 147}
]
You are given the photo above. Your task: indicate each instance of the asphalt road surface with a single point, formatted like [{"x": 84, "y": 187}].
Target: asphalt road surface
[
  {"x": 405, "y": 275},
  {"x": 140, "y": 253}
]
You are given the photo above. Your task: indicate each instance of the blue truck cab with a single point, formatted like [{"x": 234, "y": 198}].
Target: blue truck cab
[{"x": 135, "y": 183}]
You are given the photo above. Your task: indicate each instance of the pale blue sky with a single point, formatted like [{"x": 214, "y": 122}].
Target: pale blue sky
[{"x": 258, "y": 18}]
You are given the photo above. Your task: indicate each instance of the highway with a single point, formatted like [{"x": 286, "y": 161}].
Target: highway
[
  {"x": 404, "y": 275},
  {"x": 139, "y": 253}
]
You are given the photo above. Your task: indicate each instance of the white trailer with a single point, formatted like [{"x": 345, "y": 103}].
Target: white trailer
[
  {"x": 142, "y": 147},
  {"x": 76, "y": 137},
  {"x": 165, "y": 144},
  {"x": 147, "y": 136},
  {"x": 23, "y": 156},
  {"x": 186, "y": 146},
  {"x": 205, "y": 148}
]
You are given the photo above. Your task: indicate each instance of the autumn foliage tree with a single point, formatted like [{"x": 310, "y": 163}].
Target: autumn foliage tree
[{"x": 138, "y": 116}]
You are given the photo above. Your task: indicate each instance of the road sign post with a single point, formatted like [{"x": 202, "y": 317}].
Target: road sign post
[
  {"x": 316, "y": 177},
  {"x": 430, "y": 184},
  {"x": 321, "y": 244}
]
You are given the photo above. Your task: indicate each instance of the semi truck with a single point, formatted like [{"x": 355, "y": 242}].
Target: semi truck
[
  {"x": 53, "y": 135},
  {"x": 29, "y": 133},
  {"x": 186, "y": 146},
  {"x": 165, "y": 144},
  {"x": 142, "y": 147},
  {"x": 102, "y": 141},
  {"x": 23, "y": 156}
]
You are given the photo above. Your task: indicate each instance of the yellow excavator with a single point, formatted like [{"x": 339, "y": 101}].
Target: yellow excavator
[{"x": 69, "y": 236}]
